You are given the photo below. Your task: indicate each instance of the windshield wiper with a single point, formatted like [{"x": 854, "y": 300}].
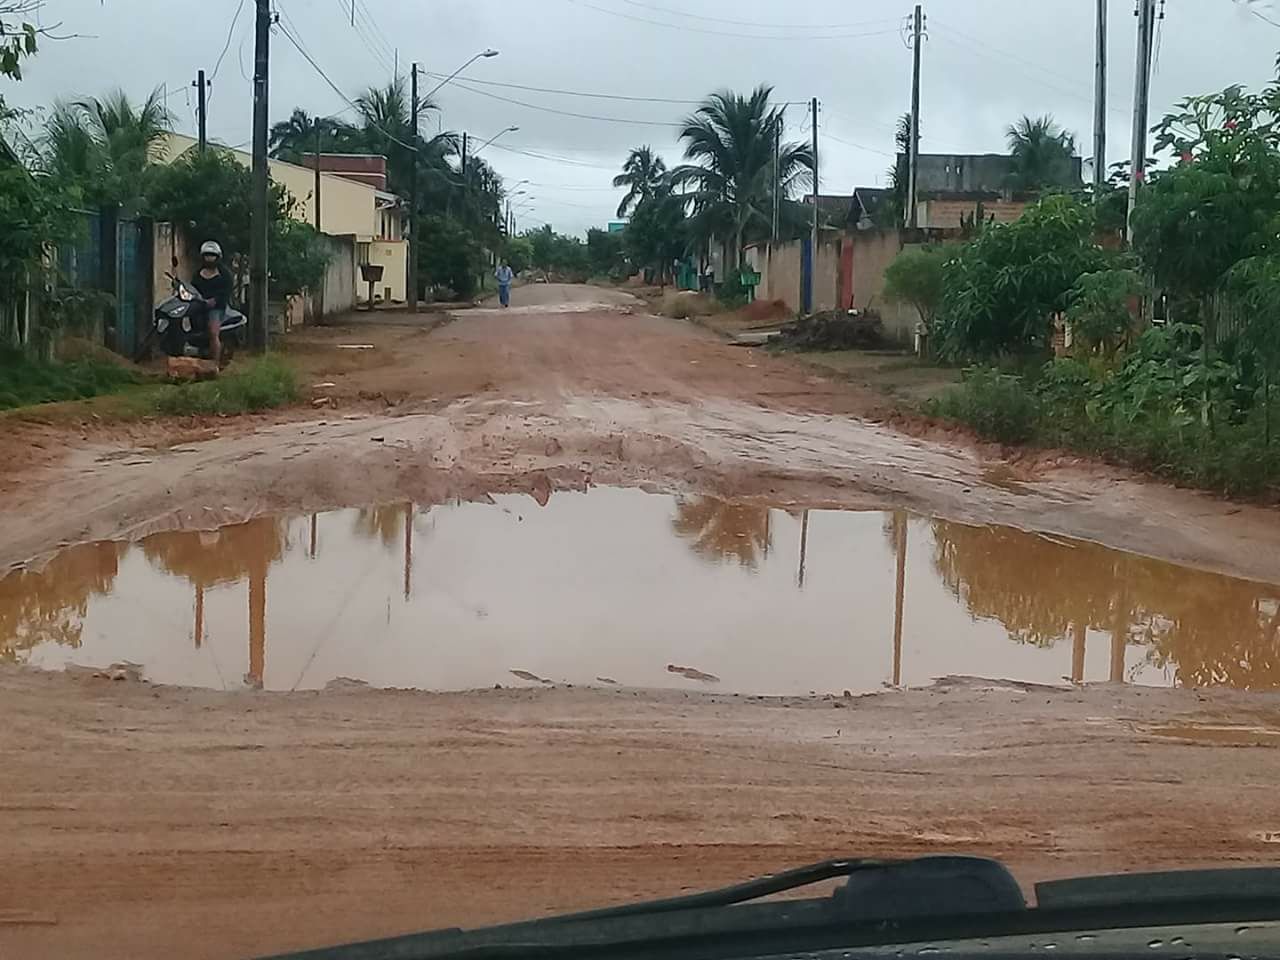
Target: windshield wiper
[{"x": 882, "y": 902}]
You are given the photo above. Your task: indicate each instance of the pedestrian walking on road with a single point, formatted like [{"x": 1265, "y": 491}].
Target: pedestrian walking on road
[{"x": 505, "y": 275}]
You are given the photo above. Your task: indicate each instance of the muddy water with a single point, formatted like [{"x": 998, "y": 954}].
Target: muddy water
[{"x": 620, "y": 586}]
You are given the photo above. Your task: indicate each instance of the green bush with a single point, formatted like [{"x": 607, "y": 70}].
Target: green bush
[
  {"x": 260, "y": 384},
  {"x": 997, "y": 405},
  {"x": 24, "y": 382}
]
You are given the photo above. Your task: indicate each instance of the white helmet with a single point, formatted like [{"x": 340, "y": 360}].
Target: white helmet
[{"x": 211, "y": 247}]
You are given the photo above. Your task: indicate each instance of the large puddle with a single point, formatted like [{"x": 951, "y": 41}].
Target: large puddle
[{"x": 620, "y": 586}]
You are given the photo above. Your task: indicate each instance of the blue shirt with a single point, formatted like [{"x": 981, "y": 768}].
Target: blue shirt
[{"x": 505, "y": 276}]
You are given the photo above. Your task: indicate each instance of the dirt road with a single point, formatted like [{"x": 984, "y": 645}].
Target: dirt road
[{"x": 145, "y": 821}]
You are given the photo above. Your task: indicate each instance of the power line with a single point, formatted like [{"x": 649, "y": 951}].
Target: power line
[
  {"x": 564, "y": 113},
  {"x": 552, "y": 158},
  {"x": 568, "y": 93},
  {"x": 753, "y": 23},
  {"x": 364, "y": 14},
  {"x": 684, "y": 28},
  {"x": 338, "y": 90},
  {"x": 850, "y": 143},
  {"x": 976, "y": 46},
  {"x": 227, "y": 46},
  {"x": 359, "y": 30}
]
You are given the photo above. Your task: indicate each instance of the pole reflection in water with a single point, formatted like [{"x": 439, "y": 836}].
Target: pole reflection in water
[
  {"x": 622, "y": 584},
  {"x": 900, "y": 548}
]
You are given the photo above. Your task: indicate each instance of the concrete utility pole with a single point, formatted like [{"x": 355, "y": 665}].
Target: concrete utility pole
[
  {"x": 913, "y": 175},
  {"x": 777, "y": 175},
  {"x": 413, "y": 200},
  {"x": 1100, "y": 104},
  {"x": 464, "y": 158},
  {"x": 813, "y": 239},
  {"x": 202, "y": 108},
  {"x": 1141, "y": 106},
  {"x": 317, "y": 186},
  {"x": 258, "y": 221}
]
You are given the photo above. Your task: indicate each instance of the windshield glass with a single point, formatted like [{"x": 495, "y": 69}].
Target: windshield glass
[{"x": 626, "y": 449}]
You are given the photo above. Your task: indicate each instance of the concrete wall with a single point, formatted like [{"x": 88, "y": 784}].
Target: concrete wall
[
  {"x": 781, "y": 272},
  {"x": 338, "y": 294}
]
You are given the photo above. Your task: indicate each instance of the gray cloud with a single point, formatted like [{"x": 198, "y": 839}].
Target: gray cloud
[{"x": 986, "y": 62}]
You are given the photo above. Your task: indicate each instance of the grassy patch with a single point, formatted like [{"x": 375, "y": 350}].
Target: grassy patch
[
  {"x": 259, "y": 384},
  {"x": 26, "y": 382},
  {"x": 1060, "y": 405}
]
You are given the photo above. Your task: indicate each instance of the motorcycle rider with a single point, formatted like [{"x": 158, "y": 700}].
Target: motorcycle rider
[{"x": 213, "y": 282}]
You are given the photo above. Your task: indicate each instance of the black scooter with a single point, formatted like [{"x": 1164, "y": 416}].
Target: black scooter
[{"x": 181, "y": 325}]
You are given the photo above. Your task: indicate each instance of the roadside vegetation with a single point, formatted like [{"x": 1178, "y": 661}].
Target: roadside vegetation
[
  {"x": 258, "y": 384},
  {"x": 26, "y": 382},
  {"x": 1185, "y": 389}
]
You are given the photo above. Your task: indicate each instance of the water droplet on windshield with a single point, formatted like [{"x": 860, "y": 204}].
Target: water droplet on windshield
[
  {"x": 1085, "y": 938},
  {"x": 1177, "y": 941},
  {"x": 1155, "y": 944},
  {"x": 1240, "y": 930}
]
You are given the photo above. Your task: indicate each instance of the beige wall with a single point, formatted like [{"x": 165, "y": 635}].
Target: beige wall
[
  {"x": 780, "y": 272},
  {"x": 346, "y": 207},
  {"x": 393, "y": 255}
]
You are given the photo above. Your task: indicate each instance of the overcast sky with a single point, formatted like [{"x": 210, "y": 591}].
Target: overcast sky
[{"x": 986, "y": 62}]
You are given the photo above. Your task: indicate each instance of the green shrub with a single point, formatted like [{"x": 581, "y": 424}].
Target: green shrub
[
  {"x": 24, "y": 382},
  {"x": 997, "y": 405},
  {"x": 260, "y": 384}
]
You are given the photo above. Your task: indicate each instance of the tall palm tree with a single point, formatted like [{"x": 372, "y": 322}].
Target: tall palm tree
[
  {"x": 899, "y": 174},
  {"x": 1042, "y": 154},
  {"x": 291, "y": 139},
  {"x": 644, "y": 174},
  {"x": 107, "y": 143},
  {"x": 386, "y": 114},
  {"x": 729, "y": 140}
]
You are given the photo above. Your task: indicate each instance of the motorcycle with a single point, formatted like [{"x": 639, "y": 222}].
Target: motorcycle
[{"x": 181, "y": 325}]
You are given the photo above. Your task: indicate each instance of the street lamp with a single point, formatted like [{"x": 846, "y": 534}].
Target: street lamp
[
  {"x": 495, "y": 137},
  {"x": 484, "y": 55}
]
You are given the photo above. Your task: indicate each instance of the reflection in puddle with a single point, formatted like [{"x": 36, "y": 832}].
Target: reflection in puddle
[{"x": 620, "y": 586}]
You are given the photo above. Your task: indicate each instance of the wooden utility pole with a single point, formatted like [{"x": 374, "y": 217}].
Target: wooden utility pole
[
  {"x": 1141, "y": 106},
  {"x": 258, "y": 231},
  {"x": 413, "y": 199},
  {"x": 1100, "y": 104},
  {"x": 813, "y": 233},
  {"x": 202, "y": 108},
  {"x": 913, "y": 175}
]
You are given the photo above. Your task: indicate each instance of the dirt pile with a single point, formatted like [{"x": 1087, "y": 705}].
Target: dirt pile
[
  {"x": 835, "y": 330},
  {"x": 684, "y": 304}
]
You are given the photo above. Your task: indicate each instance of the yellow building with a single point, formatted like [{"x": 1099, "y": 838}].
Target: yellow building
[{"x": 348, "y": 208}]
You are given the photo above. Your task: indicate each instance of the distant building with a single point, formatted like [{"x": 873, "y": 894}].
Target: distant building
[
  {"x": 952, "y": 188},
  {"x": 354, "y": 203}
]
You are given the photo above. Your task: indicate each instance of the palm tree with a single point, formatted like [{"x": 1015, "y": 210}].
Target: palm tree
[
  {"x": 1042, "y": 154},
  {"x": 899, "y": 174},
  {"x": 644, "y": 174},
  {"x": 107, "y": 143},
  {"x": 729, "y": 140},
  {"x": 291, "y": 139},
  {"x": 387, "y": 116}
]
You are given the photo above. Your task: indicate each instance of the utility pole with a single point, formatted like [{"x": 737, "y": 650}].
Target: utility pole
[
  {"x": 1141, "y": 107},
  {"x": 777, "y": 173},
  {"x": 258, "y": 221},
  {"x": 813, "y": 238},
  {"x": 413, "y": 199},
  {"x": 1100, "y": 105},
  {"x": 913, "y": 176},
  {"x": 464, "y": 157},
  {"x": 202, "y": 108},
  {"x": 317, "y": 188}
]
